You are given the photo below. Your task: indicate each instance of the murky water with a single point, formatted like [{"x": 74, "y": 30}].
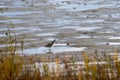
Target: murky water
[{"x": 38, "y": 22}]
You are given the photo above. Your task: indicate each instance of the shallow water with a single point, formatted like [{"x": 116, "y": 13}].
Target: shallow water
[
  {"x": 60, "y": 49},
  {"x": 39, "y": 22}
]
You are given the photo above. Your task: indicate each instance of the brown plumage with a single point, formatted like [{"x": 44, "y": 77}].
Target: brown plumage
[{"x": 50, "y": 44}]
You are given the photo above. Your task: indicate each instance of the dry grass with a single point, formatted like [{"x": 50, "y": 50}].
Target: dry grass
[{"x": 12, "y": 67}]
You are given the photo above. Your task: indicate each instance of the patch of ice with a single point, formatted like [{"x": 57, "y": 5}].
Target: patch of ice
[
  {"x": 18, "y": 13},
  {"x": 114, "y": 43},
  {"x": 77, "y": 7},
  {"x": 87, "y": 28},
  {"x": 79, "y": 28},
  {"x": 12, "y": 20},
  {"x": 83, "y": 36},
  {"x": 92, "y": 21},
  {"x": 46, "y": 34},
  {"x": 105, "y": 37},
  {"x": 110, "y": 43},
  {"x": 62, "y": 44},
  {"x": 114, "y": 38},
  {"x": 55, "y": 49}
]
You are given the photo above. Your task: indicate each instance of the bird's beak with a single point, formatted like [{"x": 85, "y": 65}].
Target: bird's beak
[{"x": 55, "y": 41}]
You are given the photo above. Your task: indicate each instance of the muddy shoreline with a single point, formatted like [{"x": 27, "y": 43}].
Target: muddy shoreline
[{"x": 92, "y": 24}]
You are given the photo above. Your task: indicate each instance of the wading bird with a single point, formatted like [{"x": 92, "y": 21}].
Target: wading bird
[{"x": 49, "y": 45}]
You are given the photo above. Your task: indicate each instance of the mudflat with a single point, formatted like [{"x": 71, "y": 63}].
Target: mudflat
[{"x": 86, "y": 25}]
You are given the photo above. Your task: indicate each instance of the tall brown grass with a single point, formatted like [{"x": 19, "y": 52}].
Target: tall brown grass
[{"x": 12, "y": 67}]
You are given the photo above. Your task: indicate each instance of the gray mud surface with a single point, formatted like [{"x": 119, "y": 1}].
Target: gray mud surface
[{"x": 93, "y": 24}]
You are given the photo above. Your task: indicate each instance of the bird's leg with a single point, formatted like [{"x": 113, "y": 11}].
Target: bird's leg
[{"x": 49, "y": 50}]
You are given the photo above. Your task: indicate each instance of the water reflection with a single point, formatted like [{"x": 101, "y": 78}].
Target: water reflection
[{"x": 55, "y": 49}]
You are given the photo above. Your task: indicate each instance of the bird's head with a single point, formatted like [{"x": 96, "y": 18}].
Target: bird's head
[{"x": 54, "y": 41}]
